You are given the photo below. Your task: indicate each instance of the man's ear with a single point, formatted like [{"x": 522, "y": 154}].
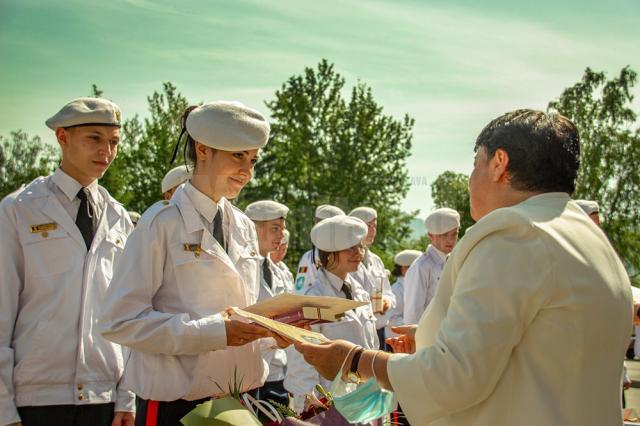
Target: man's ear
[
  {"x": 500, "y": 165},
  {"x": 63, "y": 137}
]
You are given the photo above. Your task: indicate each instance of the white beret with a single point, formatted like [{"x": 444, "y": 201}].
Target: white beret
[
  {"x": 338, "y": 233},
  {"x": 588, "y": 206},
  {"x": 367, "y": 214},
  {"x": 175, "y": 177},
  {"x": 442, "y": 220},
  {"x": 134, "y": 216},
  {"x": 325, "y": 211},
  {"x": 86, "y": 112},
  {"x": 406, "y": 257},
  {"x": 285, "y": 237},
  {"x": 266, "y": 210},
  {"x": 228, "y": 126}
]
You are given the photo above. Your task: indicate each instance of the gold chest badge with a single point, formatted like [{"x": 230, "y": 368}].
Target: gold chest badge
[
  {"x": 44, "y": 228},
  {"x": 193, "y": 248}
]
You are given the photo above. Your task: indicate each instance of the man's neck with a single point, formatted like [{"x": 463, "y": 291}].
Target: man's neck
[{"x": 76, "y": 174}]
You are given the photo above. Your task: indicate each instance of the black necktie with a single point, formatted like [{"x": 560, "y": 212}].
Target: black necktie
[
  {"x": 86, "y": 220},
  {"x": 266, "y": 273},
  {"x": 217, "y": 228},
  {"x": 346, "y": 289}
]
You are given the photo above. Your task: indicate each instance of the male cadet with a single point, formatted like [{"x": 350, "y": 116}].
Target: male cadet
[
  {"x": 371, "y": 274},
  {"x": 269, "y": 218},
  {"x": 422, "y": 278},
  {"x": 173, "y": 179},
  {"x": 277, "y": 257},
  {"x": 307, "y": 267},
  {"x": 591, "y": 208},
  {"x": 61, "y": 238}
]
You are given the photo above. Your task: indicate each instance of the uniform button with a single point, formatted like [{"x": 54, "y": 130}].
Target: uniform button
[
  {"x": 80, "y": 397},
  {"x": 45, "y": 234},
  {"x": 118, "y": 242},
  {"x": 79, "y": 387}
]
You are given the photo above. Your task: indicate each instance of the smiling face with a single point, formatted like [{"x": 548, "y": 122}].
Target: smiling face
[
  {"x": 270, "y": 234},
  {"x": 345, "y": 261},
  {"x": 223, "y": 173},
  {"x": 88, "y": 151}
]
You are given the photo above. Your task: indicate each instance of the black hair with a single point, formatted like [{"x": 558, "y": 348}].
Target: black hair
[
  {"x": 190, "y": 144},
  {"x": 397, "y": 271},
  {"x": 543, "y": 149},
  {"x": 323, "y": 256}
]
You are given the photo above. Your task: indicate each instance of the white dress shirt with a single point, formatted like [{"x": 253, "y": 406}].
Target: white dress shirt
[{"x": 421, "y": 282}]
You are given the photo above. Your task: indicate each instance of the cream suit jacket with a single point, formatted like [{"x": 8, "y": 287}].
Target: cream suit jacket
[{"x": 529, "y": 325}]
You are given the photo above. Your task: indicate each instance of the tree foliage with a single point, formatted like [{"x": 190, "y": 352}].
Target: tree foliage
[
  {"x": 145, "y": 151},
  {"x": 451, "y": 189},
  {"x": 22, "y": 159},
  {"x": 610, "y": 154},
  {"x": 330, "y": 145}
]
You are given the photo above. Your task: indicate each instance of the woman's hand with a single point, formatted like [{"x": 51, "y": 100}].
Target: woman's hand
[
  {"x": 326, "y": 359},
  {"x": 240, "y": 333},
  {"x": 406, "y": 342}
]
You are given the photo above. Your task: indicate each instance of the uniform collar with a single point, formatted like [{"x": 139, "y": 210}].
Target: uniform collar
[
  {"x": 437, "y": 254},
  {"x": 203, "y": 204},
  {"x": 70, "y": 187},
  {"x": 335, "y": 281}
]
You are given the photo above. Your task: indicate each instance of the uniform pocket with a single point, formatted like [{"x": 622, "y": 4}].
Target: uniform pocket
[
  {"x": 47, "y": 253},
  {"x": 42, "y": 362}
]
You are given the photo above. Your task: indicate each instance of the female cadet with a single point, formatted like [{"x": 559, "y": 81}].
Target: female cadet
[
  {"x": 188, "y": 260},
  {"x": 307, "y": 267},
  {"x": 340, "y": 249}
]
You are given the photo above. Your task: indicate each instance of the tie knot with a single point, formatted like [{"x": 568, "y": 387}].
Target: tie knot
[{"x": 83, "y": 194}]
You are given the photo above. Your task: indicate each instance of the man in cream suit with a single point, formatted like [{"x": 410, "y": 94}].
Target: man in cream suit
[{"x": 532, "y": 314}]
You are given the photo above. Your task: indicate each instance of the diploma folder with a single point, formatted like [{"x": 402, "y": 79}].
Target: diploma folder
[{"x": 284, "y": 304}]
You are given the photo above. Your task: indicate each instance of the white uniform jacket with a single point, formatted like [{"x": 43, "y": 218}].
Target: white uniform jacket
[
  {"x": 274, "y": 357},
  {"x": 307, "y": 271},
  {"x": 51, "y": 292},
  {"x": 167, "y": 295},
  {"x": 357, "y": 326},
  {"x": 528, "y": 327},
  {"x": 287, "y": 274},
  {"x": 421, "y": 282},
  {"x": 372, "y": 276},
  {"x": 396, "y": 314}
]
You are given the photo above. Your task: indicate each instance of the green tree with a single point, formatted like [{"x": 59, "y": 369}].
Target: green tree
[
  {"x": 610, "y": 154},
  {"x": 451, "y": 189},
  {"x": 22, "y": 159},
  {"x": 331, "y": 147},
  {"x": 145, "y": 151}
]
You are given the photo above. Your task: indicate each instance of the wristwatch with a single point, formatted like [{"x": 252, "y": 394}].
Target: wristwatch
[{"x": 353, "y": 376}]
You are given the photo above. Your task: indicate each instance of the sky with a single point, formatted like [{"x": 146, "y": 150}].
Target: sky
[{"x": 452, "y": 65}]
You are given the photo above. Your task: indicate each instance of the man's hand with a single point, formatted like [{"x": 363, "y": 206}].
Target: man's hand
[
  {"x": 406, "y": 342},
  {"x": 124, "y": 418},
  {"x": 326, "y": 358},
  {"x": 636, "y": 317},
  {"x": 240, "y": 333}
]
